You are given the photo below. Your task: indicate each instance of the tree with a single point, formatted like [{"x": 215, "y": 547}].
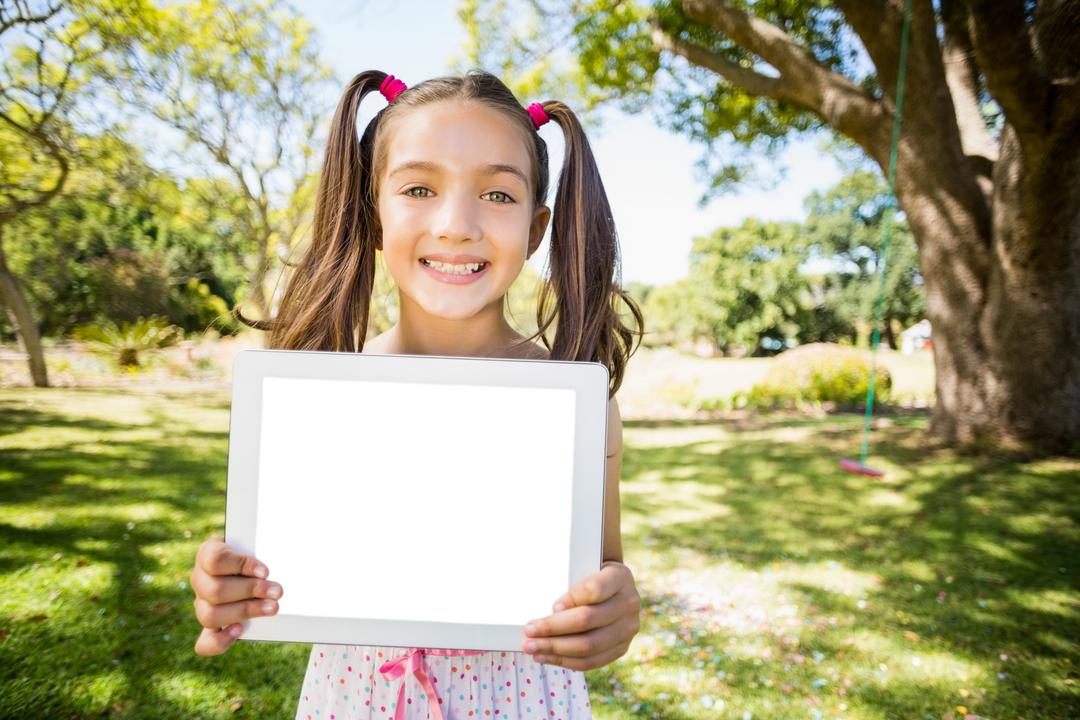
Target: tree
[
  {"x": 245, "y": 88},
  {"x": 996, "y": 217},
  {"x": 46, "y": 51},
  {"x": 744, "y": 292},
  {"x": 122, "y": 242},
  {"x": 846, "y": 226}
]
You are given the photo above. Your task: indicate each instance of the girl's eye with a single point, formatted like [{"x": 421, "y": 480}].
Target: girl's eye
[
  {"x": 499, "y": 197},
  {"x": 418, "y": 192}
]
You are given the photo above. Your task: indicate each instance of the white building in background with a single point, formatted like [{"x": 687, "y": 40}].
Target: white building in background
[{"x": 916, "y": 338}]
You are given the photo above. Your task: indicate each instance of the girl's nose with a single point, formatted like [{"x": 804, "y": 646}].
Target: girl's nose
[{"x": 456, "y": 220}]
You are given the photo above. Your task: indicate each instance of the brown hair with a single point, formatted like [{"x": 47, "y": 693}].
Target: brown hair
[{"x": 326, "y": 301}]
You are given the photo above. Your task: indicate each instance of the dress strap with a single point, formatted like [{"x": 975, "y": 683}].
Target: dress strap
[{"x": 412, "y": 663}]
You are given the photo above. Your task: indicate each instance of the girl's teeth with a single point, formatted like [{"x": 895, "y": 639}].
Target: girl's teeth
[{"x": 466, "y": 269}]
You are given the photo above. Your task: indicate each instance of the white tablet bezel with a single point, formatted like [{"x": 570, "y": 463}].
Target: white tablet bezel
[{"x": 589, "y": 382}]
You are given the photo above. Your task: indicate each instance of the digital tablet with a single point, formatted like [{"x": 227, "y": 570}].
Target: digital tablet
[{"x": 415, "y": 501}]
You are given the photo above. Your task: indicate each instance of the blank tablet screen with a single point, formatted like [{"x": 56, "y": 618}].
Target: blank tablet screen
[{"x": 414, "y": 498}]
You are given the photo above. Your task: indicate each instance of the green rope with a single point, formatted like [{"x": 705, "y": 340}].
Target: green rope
[{"x": 889, "y": 205}]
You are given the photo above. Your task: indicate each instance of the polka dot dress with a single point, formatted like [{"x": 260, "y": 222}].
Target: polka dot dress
[{"x": 343, "y": 682}]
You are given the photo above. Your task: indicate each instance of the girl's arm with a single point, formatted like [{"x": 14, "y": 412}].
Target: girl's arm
[{"x": 593, "y": 624}]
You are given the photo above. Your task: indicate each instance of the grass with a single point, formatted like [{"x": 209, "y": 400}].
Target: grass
[
  {"x": 104, "y": 497},
  {"x": 774, "y": 585},
  {"x": 778, "y": 587}
]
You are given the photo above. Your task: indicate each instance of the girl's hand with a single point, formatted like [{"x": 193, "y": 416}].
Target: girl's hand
[
  {"x": 229, "y": 587},
  {"x": 592, "y": 625}
]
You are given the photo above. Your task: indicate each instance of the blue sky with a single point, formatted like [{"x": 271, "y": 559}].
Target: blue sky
[{"x": 647, "y": 171}]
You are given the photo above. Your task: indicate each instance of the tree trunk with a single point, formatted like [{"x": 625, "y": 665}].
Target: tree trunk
[
  {"x": 889, "y": 334},
  {"x": 1032, "y": 319},
  {"x": 951, "y": 222},
  {"x": 1007, "y": 323},
  {"x": 22, "y": 320}
]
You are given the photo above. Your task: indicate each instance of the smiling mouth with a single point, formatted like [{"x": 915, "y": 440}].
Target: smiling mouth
[{"x": 464, "y": 269}]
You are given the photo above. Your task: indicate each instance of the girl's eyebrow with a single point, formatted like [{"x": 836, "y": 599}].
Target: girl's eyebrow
[
  {"x": 498, "y": 169},
  {"x": 422, "y": 165},
  {"x": 485, "y": 170}
]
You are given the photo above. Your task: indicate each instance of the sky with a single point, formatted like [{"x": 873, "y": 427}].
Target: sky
[{"x": 647, "y": 171}]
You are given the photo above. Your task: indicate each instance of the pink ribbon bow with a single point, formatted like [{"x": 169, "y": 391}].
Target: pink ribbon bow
[{"x": 413, "y": 663}]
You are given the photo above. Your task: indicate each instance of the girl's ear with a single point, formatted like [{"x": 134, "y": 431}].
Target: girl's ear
[{"x": 539, "y": 226}]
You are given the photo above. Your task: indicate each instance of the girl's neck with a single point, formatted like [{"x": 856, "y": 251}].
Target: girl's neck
[{"x": 484, "y": 335}]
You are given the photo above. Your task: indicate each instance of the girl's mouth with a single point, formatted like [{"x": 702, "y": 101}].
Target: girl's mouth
[{"x": 449, "y": 269}]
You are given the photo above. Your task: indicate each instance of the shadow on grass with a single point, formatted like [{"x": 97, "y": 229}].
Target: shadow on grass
[
  {"x": 992, "y": 534},
  {"x": 97, "y": 617},
  {"x": 975, "y": 556}
]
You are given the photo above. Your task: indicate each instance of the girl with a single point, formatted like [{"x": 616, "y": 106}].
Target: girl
[{"x": 449, "y": 182}]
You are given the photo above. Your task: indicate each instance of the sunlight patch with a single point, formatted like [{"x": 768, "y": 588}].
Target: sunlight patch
[{"x": 888, "y": 498}]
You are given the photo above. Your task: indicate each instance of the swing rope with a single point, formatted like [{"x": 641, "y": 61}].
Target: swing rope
[{"x": 890, "y": 204}]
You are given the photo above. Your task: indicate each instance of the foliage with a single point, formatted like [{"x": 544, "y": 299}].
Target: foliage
[
  {"x": 846, "y": 225},
  {"x": 590, "y": 52},
  {"x": 762, "y": 287},
  {"x": 745, "y": 292},
  {"x": 49, "y": 57},
  {"x": 50, "y": 69},
  {"x": 950, "y": 563},
  {"x": 246, "y": 89},
  {"x": 129, "y": 340},
  {"x": 818, "y": 375},
  {"x": 125, "y": 241}
]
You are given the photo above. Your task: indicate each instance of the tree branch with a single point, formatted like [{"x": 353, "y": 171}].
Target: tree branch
[
  {"x": 43, "y": 196},
  {"x": 840, "y": 102},
  {"x": 753, "y": 82},
  {"x": 24, "y": 16},
  {"x": 1002, "y": 43},
  {"x": 962, "y": 77}
]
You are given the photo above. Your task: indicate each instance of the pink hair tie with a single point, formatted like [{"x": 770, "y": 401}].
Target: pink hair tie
[
  {"x": 391, "y": 87},
  {"x": 539, "y": 117}
]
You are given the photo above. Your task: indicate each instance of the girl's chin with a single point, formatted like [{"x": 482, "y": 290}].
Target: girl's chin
[{"x": 456, "y": 312}]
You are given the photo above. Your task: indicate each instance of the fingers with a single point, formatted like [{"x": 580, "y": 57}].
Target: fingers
[
  {"x": 230, "y": 587},
  {"x": 597, "y": 601},
  {"x": 215, "y": 642},
  {"x": 212, "y": 616},
  {"x": 585, "y": 663},
  {"x": 598, "y": 587},
  {"x": 601, "y": 615},
  {"x": 588, "y": 647},
  {"x": 217, "y": 589},
  {"x": 217, "y": 558}
]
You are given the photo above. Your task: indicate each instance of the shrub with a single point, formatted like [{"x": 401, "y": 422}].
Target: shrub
[
  {"x": 821, "y": 376},
  {"x": 125, "y": 342},
  {"x": 194, "y": 307}
]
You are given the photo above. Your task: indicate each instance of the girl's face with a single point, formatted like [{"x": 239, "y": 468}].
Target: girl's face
[{"x": 456, "y": 209}]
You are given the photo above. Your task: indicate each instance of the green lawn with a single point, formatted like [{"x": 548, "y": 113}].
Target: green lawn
[{"x": 775, "y": 585}]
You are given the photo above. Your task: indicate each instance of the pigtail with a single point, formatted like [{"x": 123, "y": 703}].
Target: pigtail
[
  {"x": 582, "y": 297},
  {"x": 327, "y": 300}
]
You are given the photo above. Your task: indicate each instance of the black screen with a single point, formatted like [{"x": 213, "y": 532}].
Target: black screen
[{"x": 416, "y": 502}]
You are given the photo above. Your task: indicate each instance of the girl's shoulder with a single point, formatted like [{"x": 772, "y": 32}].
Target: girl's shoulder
[{"x": 528, "y": 350}]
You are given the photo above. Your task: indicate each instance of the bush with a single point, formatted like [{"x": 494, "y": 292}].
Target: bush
[
  {"x": 125, "y": 342},
  {"x": 820, "y": 376},
  {"x": 194, "y": 307}
]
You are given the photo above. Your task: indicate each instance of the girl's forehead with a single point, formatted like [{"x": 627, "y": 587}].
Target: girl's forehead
[{"x": 457, "y": 134}]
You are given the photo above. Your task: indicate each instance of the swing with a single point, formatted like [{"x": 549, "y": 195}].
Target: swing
[{"x": 860, "y": 467}]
